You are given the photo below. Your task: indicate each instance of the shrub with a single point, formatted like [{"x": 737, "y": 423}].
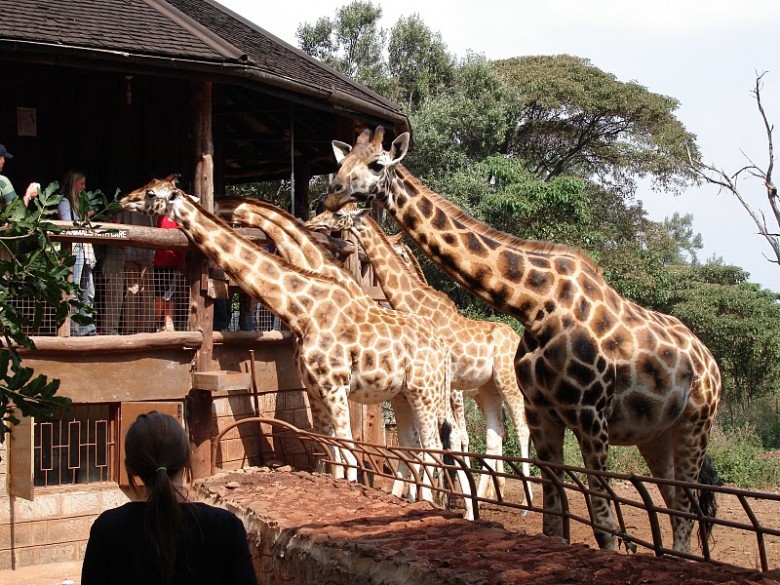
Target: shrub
[{"x": 739, "y": 458}]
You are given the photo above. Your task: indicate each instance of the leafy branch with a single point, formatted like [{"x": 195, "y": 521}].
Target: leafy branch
[{"x": 34, "y": 270}]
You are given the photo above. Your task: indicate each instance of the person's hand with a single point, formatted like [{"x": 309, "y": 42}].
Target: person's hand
[{"x": 32, "y": 191}]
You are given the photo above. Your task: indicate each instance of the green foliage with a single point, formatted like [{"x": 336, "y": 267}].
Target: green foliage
[
  {"x": 34, "y": 269},
  {"x": 740, "y": 460},
  {"x": 467, "y": 122},
  {"x": 352, "y": 42},
  {"x": 418, "y": 62},
  {"x": 577, "y": 119}
]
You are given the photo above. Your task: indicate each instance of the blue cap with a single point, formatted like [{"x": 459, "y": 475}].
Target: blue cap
[{"x": 4, "y": 152}]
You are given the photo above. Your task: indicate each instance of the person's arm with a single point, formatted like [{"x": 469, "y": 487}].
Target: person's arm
[
  {"x": 96, "y": 569},
  {"x": 242, "y": 571},
  {"x": 63, "y": 208}
]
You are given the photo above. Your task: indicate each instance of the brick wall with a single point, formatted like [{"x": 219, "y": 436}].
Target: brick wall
[
  {"x": 52, "y": 528},
  {"x": 251, "y": 444}
]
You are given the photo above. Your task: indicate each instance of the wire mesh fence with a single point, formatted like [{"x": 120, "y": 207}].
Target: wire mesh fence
[
  {"x": 640, "y": 513},
  {"x": 142, "y": 299}
]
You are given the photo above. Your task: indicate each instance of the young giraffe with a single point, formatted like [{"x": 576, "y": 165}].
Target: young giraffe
[
  {"x": 347, "y": 349},
  {"x": 482, "y": 352},
  {"x": 612, "y": 371},
  {"x": 297, "y": 244}
]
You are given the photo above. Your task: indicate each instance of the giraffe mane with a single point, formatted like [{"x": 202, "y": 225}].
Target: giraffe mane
[
  {"x": 267, "y": 205},
  {"x": 397, "y": 240},
  {"x": 409, "y": 270},
  {"x": 246, "y": 241},
  {"x": 456, "y": 214}
]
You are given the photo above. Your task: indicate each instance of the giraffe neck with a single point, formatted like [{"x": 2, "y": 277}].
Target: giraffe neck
[
  {"x": 408, "y": 256},
  {"x": 518, "y": 277},
  {"x": 292, "y": 294},
  {"x": 292, "y": 240},
  {"x": 402, "y": 286}
]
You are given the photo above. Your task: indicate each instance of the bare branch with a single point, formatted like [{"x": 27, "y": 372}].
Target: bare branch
[{"x": 730, "y": 183}]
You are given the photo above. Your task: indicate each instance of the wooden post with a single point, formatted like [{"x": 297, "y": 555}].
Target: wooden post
[
  {"x": 302, "y": 177},
  {"x": 201, "y": 308}
]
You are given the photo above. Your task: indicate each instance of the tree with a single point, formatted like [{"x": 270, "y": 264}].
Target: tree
[
  {"x": 577, "y": 119},
  {"x": 418, "y": 62},
  {"x": 34, "y": 269},
  {"x": 464, "y": 124},
  {"x": 352, "y": 42},
  {"x": 731, "y": 182}
]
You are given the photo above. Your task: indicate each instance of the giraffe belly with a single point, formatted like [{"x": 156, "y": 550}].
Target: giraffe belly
[
  {"x": 638, "y": 415},
  {"x": 373, "y": 393}
]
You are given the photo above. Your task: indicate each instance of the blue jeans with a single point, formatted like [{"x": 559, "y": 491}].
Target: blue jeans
[{"x": 82, "y": 275}]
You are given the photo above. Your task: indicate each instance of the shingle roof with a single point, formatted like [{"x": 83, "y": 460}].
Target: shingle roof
[{"x": 200, "y": 30}]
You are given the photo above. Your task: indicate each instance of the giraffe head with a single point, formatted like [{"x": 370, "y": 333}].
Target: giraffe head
[
  {"x": 365, "y": 170},
  {"x": 156, "y": 197},
  {"x": 342, "y": 220}
]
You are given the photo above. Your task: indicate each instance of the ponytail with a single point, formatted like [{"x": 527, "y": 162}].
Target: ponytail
[{"x": 157, "y": 450}]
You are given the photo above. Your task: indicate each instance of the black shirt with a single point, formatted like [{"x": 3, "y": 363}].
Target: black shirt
[{"x": 215, "y": 549}]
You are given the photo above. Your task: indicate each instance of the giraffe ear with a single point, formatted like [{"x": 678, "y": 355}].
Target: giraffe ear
[
  {"x": 399, "y": 148},
  {"x": 359, "y": 214},
  {"x": 341, "y": 150},
  {"x": 172, "y": 178}
]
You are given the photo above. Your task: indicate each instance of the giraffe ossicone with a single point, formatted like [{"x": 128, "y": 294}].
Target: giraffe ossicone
[{"x": 590, "y": 360}]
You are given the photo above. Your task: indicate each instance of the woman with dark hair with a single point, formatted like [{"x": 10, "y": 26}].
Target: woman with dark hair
[{"x": 165, "y": 540}]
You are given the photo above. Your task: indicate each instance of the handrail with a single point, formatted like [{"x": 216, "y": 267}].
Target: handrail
[{"x": 377, "y": 466}]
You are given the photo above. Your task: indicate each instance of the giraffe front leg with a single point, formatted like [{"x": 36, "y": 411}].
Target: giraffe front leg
[
  {"x": 490, "y": 404},
  {"x": 459, "y": 442},
  {"x": 407, "y": 437},
  {"x": 595, "y": 454},
  {"x": 320, "y": 418},
  {"x": 547, "y": 435},
  {"x": 337, "y": 405}
]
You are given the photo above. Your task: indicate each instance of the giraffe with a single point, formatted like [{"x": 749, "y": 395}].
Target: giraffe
[
  {"x": 347, "y": 349},
  {"x": 482, "y": 352},
  {"x": 608, "y": 369},
  {"x": 297, "y": 244}
]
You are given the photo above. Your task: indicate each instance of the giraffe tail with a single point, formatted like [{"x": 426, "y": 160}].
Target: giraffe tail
[
  {"x": 445, "y": 433},
  {"x": 707, "y": 503}
]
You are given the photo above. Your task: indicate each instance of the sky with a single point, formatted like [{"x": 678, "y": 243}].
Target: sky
[{"x": 703, "y": 53}]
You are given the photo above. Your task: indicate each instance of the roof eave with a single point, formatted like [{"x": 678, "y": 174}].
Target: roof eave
[{"x": 222, "y": 70}]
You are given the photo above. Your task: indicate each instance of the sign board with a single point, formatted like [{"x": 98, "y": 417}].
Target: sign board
[{"x": 95, "y": 233}]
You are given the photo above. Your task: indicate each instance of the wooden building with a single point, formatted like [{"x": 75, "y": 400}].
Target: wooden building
[{"x": 128, "y": 90}]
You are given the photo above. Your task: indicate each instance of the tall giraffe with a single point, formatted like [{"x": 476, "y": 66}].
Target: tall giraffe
[
  {"x": 347, "y": 349},
  {"x": 297, "y": 244},
  {"x": 482, "y": 352},
  {"x": 610, "y": 370}
]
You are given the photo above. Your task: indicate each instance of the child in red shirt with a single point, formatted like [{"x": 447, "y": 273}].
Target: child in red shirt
[{"x": 168, "y": 264}]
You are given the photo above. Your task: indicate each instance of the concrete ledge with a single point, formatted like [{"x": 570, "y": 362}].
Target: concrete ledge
[{"x": 312, "y": 529}]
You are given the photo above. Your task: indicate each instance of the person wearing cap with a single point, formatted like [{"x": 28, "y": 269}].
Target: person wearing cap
[{"x": 6, "y": 187}]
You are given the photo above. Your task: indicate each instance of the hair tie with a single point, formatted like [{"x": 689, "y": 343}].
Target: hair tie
[{"x": 164, "y": 469}]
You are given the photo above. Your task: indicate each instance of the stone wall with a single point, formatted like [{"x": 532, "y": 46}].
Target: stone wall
[
  {"x": 54, "y": 527},
  {"x": 310, "y": 529}
]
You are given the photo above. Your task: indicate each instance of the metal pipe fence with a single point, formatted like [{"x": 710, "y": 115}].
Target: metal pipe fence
[{"x": 379, "y": 466}]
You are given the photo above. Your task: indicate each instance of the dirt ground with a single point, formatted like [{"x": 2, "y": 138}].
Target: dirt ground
[{"x": 727, "y": 545}]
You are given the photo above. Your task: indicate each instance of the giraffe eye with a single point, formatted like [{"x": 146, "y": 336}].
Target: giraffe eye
[
  {"x": 150, "y": 193},
  {"x": 376, "y": 166}
]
